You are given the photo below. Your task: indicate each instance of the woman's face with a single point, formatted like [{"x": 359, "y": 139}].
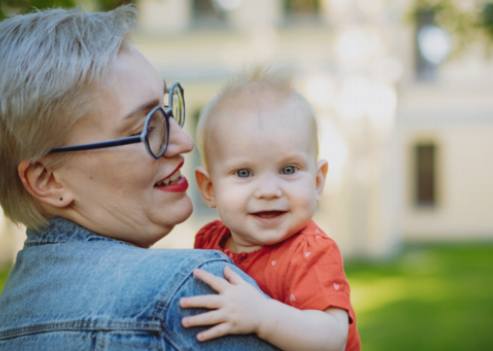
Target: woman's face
[{"x": 117, "y": 191}]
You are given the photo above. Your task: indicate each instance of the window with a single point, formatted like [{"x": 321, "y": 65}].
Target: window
[
  {"x": 301, "y": 10},
  {"x": 302, "y": 7},
  {"x": 208, "y": 13},
  {"x": 425, "y": 187}
]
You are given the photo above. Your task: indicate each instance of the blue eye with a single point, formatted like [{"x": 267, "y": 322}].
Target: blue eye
[
  {"x": 243, "y": 172},
  {"x": 289, "y": 170}
]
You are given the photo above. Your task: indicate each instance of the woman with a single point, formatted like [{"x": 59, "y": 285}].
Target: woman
[{"x": 90, "y": 163}]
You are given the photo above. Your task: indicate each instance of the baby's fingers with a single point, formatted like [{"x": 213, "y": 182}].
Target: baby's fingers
[
  {"x": 214, "y": 332},
  {"x": 202, "y": 301},
  {"x": 232, "y": 276},
  {"x": 217, "y": 283},
  {"x": 208, "y": 318}
]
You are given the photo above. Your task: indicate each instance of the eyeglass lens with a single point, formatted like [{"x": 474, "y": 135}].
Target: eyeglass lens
[
  {"x": 178, "y": 105},
  {"x": 157, "y": 133},
  {"x": 158, "y": 127}
]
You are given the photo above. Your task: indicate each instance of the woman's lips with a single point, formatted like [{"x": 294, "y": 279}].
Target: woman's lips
[
  {"x": 174, "y": 182},
  {"x": 178, "y": 186}
]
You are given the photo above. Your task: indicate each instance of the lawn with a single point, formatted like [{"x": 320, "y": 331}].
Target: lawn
[
  {"x": 427, "y": 298},
  {"x": 3, "y": 276}
]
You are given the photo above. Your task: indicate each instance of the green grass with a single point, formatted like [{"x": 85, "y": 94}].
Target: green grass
[
  {"x": 4, "y": 272},
  {"x": 427, "y": 298}
]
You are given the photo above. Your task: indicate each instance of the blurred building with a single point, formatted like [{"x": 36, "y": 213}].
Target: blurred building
[{"x": 407, "y": 130}]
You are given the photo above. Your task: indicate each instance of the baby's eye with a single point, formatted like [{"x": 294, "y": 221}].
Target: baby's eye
[
  {"x": 289, "y": 170},
  {"x": 243, "y": 173}
]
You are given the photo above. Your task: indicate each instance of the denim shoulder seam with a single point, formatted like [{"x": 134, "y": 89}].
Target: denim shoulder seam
[
  {"x": 163, "y": 300},
  {"x": 160, "y": 308}
]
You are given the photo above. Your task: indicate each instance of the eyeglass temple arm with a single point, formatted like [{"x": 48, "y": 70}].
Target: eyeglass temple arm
[{"x": 103, "y": 144}]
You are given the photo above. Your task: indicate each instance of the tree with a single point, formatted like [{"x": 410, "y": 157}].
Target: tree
[
  {"x": 11, "y": 7},
  {"x": 468, "y": 21}
]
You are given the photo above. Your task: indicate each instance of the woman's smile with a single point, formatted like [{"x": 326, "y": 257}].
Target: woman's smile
[{"x": 175, "y": 184}]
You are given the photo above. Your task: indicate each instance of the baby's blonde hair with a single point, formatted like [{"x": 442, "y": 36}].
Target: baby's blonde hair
[
  {"x": 49, "y": 61},
  {"x": 250, "y": 88}
]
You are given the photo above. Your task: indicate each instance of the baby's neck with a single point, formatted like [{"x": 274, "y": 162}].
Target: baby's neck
[{"x": 236, "y": 247}]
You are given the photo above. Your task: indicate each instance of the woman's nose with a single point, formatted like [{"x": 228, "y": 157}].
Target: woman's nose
[{"x": 179, "y": 140}]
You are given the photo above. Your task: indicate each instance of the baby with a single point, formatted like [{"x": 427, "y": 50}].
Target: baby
[{"x": 258, "y": 140}]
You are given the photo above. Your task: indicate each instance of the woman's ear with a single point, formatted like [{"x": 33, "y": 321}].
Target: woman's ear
[
  {"x": 206, "y": 186},
  {"x": 322, "y": 170},
  {"x": 42, "y": 184}
]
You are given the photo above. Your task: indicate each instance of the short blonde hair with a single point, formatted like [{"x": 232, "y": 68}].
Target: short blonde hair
[
  {"x": 250, "y": 87},
  {"x": 49, "y": 60}
]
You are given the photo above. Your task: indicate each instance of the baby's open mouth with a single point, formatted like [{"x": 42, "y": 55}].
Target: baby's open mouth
[{"x": 268, "y": 214}]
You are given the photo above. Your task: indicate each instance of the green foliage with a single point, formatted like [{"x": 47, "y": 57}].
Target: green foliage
[
  {"x": 470, "y": 22},
  {"x": 487, "y": 18},
  {"x": 429, "y": 298},
  {"x": 11, "y": 7},
  {"x": 105, "y": 5}
]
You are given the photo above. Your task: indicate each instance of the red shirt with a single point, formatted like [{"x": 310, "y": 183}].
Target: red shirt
[{"x": 305, "y": 271}]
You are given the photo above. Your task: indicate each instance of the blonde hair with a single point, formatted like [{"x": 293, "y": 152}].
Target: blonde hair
[
  {"x": 49, "y": 60},
  {"x": 250, "y": 88}
]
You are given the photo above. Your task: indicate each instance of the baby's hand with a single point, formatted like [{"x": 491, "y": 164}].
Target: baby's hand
[{"x": 236, "y": 309}]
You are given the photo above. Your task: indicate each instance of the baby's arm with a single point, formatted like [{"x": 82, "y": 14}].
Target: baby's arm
[{"x": 238, "y": 308}]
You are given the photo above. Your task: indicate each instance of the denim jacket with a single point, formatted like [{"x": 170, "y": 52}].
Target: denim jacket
[{"x": 72, "y": 289}]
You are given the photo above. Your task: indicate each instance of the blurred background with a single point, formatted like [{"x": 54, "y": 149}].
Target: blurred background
[{"x": 403, "y": 95}]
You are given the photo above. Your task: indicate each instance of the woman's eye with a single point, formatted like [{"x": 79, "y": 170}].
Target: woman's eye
[
  {"x": 134, "y": 131},
  {"x": 289, "y": 170},
  {"x": 243, "y": 173}
]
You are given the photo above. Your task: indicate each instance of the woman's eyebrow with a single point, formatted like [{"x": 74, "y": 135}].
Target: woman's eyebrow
[{"x": 144, "y": 107}]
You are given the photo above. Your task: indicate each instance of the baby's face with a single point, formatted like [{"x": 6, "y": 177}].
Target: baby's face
[{"x": 264, "y": 174}]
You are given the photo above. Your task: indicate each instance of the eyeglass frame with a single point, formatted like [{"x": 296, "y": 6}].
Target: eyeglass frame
[{"x": 167, "y": 112}]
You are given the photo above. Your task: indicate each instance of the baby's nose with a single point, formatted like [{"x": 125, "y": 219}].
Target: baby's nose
[{"x": 268, "y": 188}]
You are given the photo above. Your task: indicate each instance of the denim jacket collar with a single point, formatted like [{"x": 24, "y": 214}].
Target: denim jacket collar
[{"x": 61, "y": 230}]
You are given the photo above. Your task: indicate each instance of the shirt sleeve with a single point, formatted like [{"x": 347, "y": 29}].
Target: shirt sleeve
[{"x": 315, "y": 276}]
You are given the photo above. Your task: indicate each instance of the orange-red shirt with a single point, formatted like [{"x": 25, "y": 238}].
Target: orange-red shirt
[{"x": 305, "y": 271}]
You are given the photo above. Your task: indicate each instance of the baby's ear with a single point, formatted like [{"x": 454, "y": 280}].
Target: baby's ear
[
  {"x": 206, "y": 186},
  {"x": 322, "y": 170}
]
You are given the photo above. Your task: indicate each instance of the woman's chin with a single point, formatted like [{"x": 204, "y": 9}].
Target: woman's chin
[{"x": 182, "y": 211}]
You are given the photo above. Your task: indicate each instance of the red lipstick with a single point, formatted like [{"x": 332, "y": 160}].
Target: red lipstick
[{"x": 180, "y": 186}]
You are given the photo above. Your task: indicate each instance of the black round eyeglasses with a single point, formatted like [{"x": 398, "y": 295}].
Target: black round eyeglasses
[{"x": 155, "y": 134}]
